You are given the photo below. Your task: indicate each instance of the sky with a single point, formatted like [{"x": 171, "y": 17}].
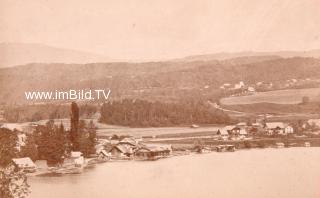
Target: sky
[{"x": 161, "y": 29}]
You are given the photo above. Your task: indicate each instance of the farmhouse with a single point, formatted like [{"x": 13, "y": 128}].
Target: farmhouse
[
  {"x": 25, "y": 164},
  {"x": 121, "y": 151},
  {"x": 223, "y": 133},
  {"x": 153, "y": 151},
  {"x": 278, "y": 128},
  {"x": 104, "y": 156}
]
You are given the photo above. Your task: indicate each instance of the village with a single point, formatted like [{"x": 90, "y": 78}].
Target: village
[{"x": 127, "y": 147}]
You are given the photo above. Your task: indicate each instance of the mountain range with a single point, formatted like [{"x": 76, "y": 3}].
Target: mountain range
[{"x": 13, "y": 54}]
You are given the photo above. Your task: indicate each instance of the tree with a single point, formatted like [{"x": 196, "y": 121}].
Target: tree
[
  {"x": 8, "y": 149},
  {"x": 87, "y": 138},
  {"x": 74, "y": 131},
  {"x": 51, "y": 141},
  {"x": 13, "y": 182},
  {"x": 30, "y": 149}
]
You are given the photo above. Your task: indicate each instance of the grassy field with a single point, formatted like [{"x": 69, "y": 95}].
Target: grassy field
[
  {"x": 108, "y": 130},
  {"x": 288, "y": 96}
]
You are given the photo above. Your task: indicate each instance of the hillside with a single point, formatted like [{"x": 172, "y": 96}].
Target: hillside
[
  {"x": 21, "y": 53},
  {"x": 226, "y": 55},
  {"x": 152, "y": 80},
  {"x": 287, "y": 96}
]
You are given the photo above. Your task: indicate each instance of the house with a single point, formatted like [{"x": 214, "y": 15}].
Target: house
[
  {"x": 104, "y": 156},
  {"x": 76, "y": 159},
  {"x": 314, "y": 123},
  {"x": 278, "y": 128},
  {"x": 121, "y": 151},
  {"x": 274, "y": 128},
  {"x": 223, "y": 133},
  {"x": 25, "y": 164},
  {"x": 288, "y": 129},
  {"x": 153, "y": 151}
]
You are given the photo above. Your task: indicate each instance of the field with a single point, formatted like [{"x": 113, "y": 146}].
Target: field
[
  {"x": 104, "y": 130},
  {"x": 288, "y": 96}
]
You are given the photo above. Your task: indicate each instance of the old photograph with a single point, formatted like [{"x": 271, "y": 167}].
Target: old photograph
[{"x": 159, "y": 98}]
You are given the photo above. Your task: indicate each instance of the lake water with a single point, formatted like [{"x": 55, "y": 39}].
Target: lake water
[{"x": 265, "y": 173}]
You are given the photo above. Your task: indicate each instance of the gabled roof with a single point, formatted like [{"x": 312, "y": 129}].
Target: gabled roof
[
  {"x": 156, "y": 147},
  {"x": 242, "y": 124},
  {"x": 129, "y": 140},
  {"x": 273, "y": 125},
  {"x": 229, "y": 127},
  {"x": 25, "y": 162},
  {"x": 103, "y": 152},
  {"x": 223, "y": 132},
  {"x": 123, "y": 148}
]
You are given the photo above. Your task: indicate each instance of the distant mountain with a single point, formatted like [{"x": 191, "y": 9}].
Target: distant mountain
[
  {"x": 13, "y": 54},
  {"x": 225, "y": 55},
  {"x": 164, "y": 81}
]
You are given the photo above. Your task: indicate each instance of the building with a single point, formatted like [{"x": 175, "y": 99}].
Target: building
[
  {"x": 25, "y": 164},
  {"x": 278, "y": 128},
  {"x": 76, "y": 159},
  {"x": 104, "y": 156},
  {"x": 153, "y": 151},
  {"x": 121, "y": 151}
]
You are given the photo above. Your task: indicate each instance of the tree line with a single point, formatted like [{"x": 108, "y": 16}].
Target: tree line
[{"x": 142, "y": 113}]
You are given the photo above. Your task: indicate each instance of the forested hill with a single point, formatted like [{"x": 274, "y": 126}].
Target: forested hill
[{"x": 152, "y": 80}]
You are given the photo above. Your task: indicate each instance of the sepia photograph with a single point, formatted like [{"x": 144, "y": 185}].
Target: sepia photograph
[{"x": 160, "y": 98}]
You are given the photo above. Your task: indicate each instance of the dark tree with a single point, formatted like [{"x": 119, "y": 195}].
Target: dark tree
[
  {"x": 51, "y": 143},
  {"x": 30, "y": 149},
  {"x": 8, "y": 143},
  {"x": 74, "y": 130},
  {"x": 13, "y": 182},
  {"x": 87, "y": 138}
]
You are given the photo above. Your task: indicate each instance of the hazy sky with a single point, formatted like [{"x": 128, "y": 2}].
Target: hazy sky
[{"x": 147, "y": 29}]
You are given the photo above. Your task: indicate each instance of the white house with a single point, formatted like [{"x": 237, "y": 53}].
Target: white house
[{"x": 278, "y": 128}]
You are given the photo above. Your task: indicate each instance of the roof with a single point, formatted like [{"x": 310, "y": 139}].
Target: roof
[
  {"x": 256, "y": 124},
  {"x": 12, "y": 126},
  {"x": 76, "y": 154},
  {"x": 223, "y": 132},
  {"x": 23, "y": 162},
  {"x": 128, "y": 140},
  {"x": 156, "y": 147},
  {"x": 123, "y": 148},
  {"x": 104, "y": 153},
  {"x": 229, "y": 127},
  {"x": 242, "y": 124},
  {"x": 273, "y": 125}
]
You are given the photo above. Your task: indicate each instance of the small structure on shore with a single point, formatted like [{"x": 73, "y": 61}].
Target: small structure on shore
[
  {"x": 25, "y": 164},
  {"x": 76, "y": 159},
  {"x": 153, "y": 151},
  {"x": 104, "y": 156},
  {"x": 121, "y": 151}
]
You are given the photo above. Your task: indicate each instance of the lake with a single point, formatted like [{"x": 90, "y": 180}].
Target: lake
[{"x": 263, "y": 173}]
